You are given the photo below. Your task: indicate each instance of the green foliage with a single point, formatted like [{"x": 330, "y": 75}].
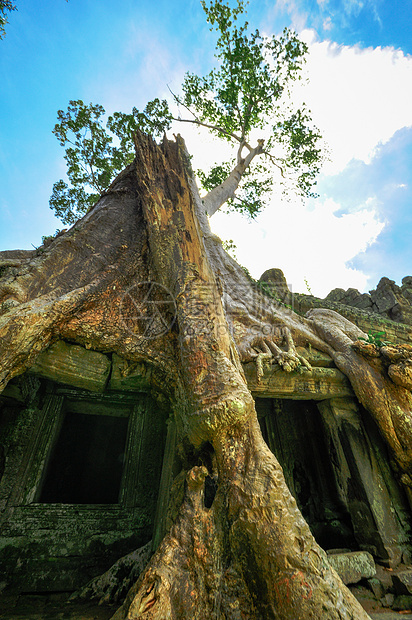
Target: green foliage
[
  {"x": 302, "y": 156},
  {"x": 5, "y": 7},
  {"x": 48, "y": 238},
  {"x": 268, "y": 289},
  {"x": 250, "y": 196},
  {"x": 92, "y": 160},
  {"x": 247, "y": 92},
  {"x": 252, "y": 74},
  {"x": 376, "y": 339},
  {"x": 155, "y": 119},
  {"x": 309, "y": 290}
]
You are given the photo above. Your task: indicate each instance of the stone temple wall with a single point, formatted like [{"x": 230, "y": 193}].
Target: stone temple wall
[
  {"x": 388, "y": 299},
  {"x": 56, "y": 537},
  {"x": 388, "y": 308}
]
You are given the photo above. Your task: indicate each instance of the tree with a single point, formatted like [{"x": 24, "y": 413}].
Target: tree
[
  {"x": 247, "y": 94},
  {"x": 249, "y": 554},
  {"x": 6, "y": 6}
]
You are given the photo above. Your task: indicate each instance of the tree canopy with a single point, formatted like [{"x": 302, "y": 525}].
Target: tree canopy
[
  {"x": 92, "y": 160},
  {"x": 245, "y": 100}
]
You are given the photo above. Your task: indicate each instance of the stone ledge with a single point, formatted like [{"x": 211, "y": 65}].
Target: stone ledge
[
  {"x": 319, "y": 383},
  {"x": 403, "y": 582},
  {"x": 354, "y": 566},
  {"x": 394, "y": 332}
]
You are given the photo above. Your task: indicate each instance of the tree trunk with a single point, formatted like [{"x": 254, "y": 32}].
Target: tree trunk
[
  {"x": 249, "y": 554},
  {"x": 221, "y": 194}
]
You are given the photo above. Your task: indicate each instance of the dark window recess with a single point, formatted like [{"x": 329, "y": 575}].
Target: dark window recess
[
  {"x": 294, "y": 432},
  {"x": 87, "y": 461}
]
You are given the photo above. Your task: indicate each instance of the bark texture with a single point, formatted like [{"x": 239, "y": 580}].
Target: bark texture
[
  {"x": 221, "y": 194},
  {"x": 249, "y": 554}
]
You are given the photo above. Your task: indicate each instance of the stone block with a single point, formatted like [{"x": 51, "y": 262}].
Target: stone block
[
  {"x": 319, "y": 383},
  {"x": 376, "y": 587},
  {"x": 351, "y": 297},
  {"x": 275, "y": 282},
  {"x": 403, "y": 602},
  {"x": 385, "y": 576},
  {"x": 316, "y": 358},
  {"x": 354, "y": 566},
  {"x": 73, "y": 365},
  {"x": 402, "y": 582},
  {"x": 337, "y": 551},
  {"x": 388, "y": 600},
  {"x": 133, "y": 376}
]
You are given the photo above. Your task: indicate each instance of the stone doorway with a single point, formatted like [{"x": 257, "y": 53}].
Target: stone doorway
[{"x": 294, "y": 432}]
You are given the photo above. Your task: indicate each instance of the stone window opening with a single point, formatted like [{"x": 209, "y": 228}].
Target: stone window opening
[
  {"x": 86, "y": 462},
  {"x": 65, "y": 522}
]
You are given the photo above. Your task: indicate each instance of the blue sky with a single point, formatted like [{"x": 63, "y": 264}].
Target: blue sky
[{"x": 360, "y": 91}]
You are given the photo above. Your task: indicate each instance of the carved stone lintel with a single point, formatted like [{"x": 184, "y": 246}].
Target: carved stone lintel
[
  {"x": 318, "y": 384},
  {"x": 73, "y": 365}
]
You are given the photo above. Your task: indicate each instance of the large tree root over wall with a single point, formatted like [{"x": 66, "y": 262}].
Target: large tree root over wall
[{"x": 247, "y": 553}]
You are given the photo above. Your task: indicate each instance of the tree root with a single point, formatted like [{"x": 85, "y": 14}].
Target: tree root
[
  {"x": 182, "y": 577},
  {"x": 113, "y": 585},
  {"x": 395, "y": 359},
  {"x": 250, "y": 555},
  {"x": 268, "y": 349},
  {"x": 381, "y": 378}
]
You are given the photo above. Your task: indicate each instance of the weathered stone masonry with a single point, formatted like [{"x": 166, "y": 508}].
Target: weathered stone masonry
[{"x": 334, "y": 462}]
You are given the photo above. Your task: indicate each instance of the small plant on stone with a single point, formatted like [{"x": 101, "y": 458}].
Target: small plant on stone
[
  {"x": 309, "y": 290},
  {"x": 376, "y": 339},
  {"x": 230, "y": 247}
]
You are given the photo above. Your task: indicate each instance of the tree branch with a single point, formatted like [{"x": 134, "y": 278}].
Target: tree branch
[
  {"x": 221, "y": 194},
  {"x": 274, "y": 162},
  {"x": 239, "y": 151},
  {"x": 197, "y": 121},
  {"x": 209, "y": 126}
]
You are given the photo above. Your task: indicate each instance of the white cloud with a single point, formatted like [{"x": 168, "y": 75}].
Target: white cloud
[
  {"x": 327, "y": 24},
  {"x": 294, "y": 8},
  {"x": 353, "y": 7},
  {"x": 359, "y": 97},
  {"x": 314, "y": 244},
  {"x": 301, "y": 12},
  {"x": 145, "y": 67}
]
